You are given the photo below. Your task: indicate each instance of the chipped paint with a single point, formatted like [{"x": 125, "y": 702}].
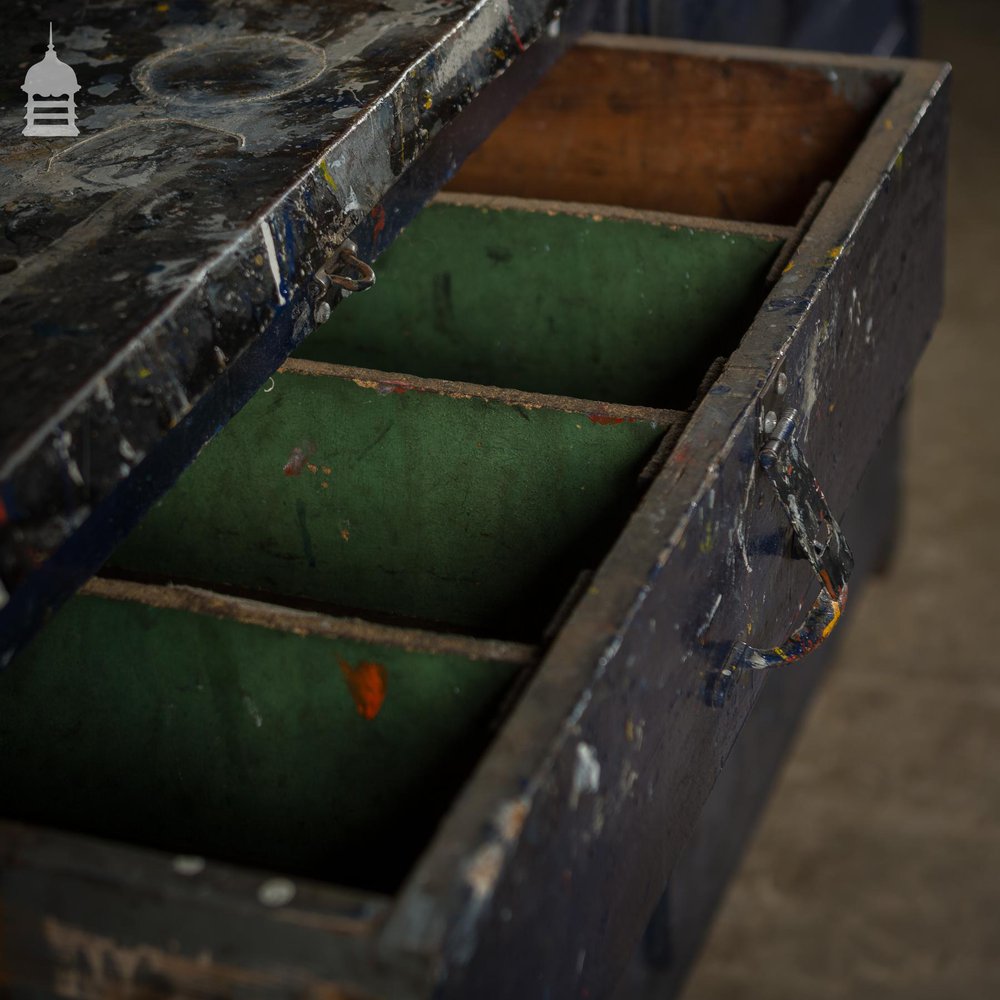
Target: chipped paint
[
  {"x": 510, "y": 818},
  {"x": 91, "y": 965},
  {"x": 483, "y": 870}
]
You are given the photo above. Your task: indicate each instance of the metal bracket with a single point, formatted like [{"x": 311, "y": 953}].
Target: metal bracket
[
  {"x": 820, "y": 539},
  {"x": 332, "y": 273}
]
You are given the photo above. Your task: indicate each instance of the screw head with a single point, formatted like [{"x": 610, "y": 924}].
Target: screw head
[
  {"x": 770, "y": 421},
  {"x": 322, "y": 312},
  {"x": 782, "y": 385}
]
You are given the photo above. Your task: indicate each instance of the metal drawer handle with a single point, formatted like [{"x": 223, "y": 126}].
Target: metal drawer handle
[{"x": 821, "y": 541}]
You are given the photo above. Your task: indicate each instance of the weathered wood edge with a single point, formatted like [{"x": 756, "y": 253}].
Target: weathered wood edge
[
  {"x": 618, "y": 213},
  {"x": 459, "y": 901},
  {"x": 282, "y": 618},
  {"x": 375, "y": 379},
  {"x": 86, "y": 917}
]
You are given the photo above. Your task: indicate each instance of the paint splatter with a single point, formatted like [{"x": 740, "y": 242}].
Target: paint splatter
[
  {"x": 604, "y": 420},
  {"x": 297, "y": 459},
  {"x": 367, "y": 684},
  {"x": 378, "y": 214},
  {"x": 513, "y": 31}
]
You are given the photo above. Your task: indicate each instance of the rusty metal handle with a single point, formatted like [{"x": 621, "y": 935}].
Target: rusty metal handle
[
  {"x": 346, "y": 258},
  {"x": 822, "y": 542}
]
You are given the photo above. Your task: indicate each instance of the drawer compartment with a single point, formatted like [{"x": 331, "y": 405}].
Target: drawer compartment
[
  {"x": 249, "y": 732},
  {"x": 387, "y": 494},
  {"x": 700, "y": 132},
  {"x": 578, "y": 300}
]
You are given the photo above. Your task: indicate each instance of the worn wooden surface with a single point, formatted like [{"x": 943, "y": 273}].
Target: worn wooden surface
[
  {"x": 725, "y": 827},
  {"x": 612, "y": 751},
  {"x": 418, "y": 498},
  {"x": 722, "y": 135},
  {"x": 190, "y": 217},
  {"x": 579, "y": 300}
]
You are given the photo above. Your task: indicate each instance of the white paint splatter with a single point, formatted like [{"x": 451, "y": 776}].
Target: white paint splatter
[
  {"x": 711, "y": 614},
  {"x": 586, "y": 773},
  {"x": 253, "y": 711},
  {"x": 272, "y": 258}
]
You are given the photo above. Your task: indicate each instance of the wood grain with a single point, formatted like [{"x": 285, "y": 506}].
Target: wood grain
[{"x": 730, "y": 138}]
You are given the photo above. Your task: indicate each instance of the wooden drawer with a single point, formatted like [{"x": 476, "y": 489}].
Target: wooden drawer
[{"x": 351, "y": 648}]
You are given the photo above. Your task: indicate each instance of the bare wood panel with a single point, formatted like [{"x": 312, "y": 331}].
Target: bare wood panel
[{"x": 731, "y": 138}]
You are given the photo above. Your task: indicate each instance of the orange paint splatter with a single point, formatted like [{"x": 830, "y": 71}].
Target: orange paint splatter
[
  {"x": 367, "y": 683},
  {"x": 326, "y": 470},
  {"x": 604, "y": 420},
  {"x": 345, "y": 534},
  {"x": 312, "y": 468},
  {"x": 378, "y": 214}
]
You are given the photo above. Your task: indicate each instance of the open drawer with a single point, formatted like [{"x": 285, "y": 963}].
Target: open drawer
[{"x": 480, "y": 552}]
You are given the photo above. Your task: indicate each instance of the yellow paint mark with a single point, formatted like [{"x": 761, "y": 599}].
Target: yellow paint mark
[
  {"x": 630, "y": 730},
  {"x": 706, "y": 544},
  {"x": 163, "y": 7},
  {"x": 144, "y": 373},
  {"x": 428, "y": 101},
  {"x": 499, "y": 53},
  {"x": 312, "y": 468},
  {"x": 325, "y": 485},
  {"x": 833, "y": 621},
  {"x": 327, "y": 176},
  {"x": 365, "y": 384},
  {"x": 788, "y": 267},
  {"x": 259, "y": 260},
  {"x": 345, "y": 533},
  {"x": 831, "y": 408},
  {"x": 899, "y": 161},
  {"x": 888, "y": 124},
  {"x": 327, "y": 470},
  {"x": 834, "y": 252}
]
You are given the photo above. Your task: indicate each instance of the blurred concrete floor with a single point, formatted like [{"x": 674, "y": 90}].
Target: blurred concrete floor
[{"x": 875, "y": 870}]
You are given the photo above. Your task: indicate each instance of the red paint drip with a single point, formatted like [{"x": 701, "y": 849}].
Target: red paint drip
[
  {"x": 513, "y": 31},
  {"x": 378, "y": 214},
  {"x": 367, "y": 684},
  {"x": 604, "y": 420}
]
